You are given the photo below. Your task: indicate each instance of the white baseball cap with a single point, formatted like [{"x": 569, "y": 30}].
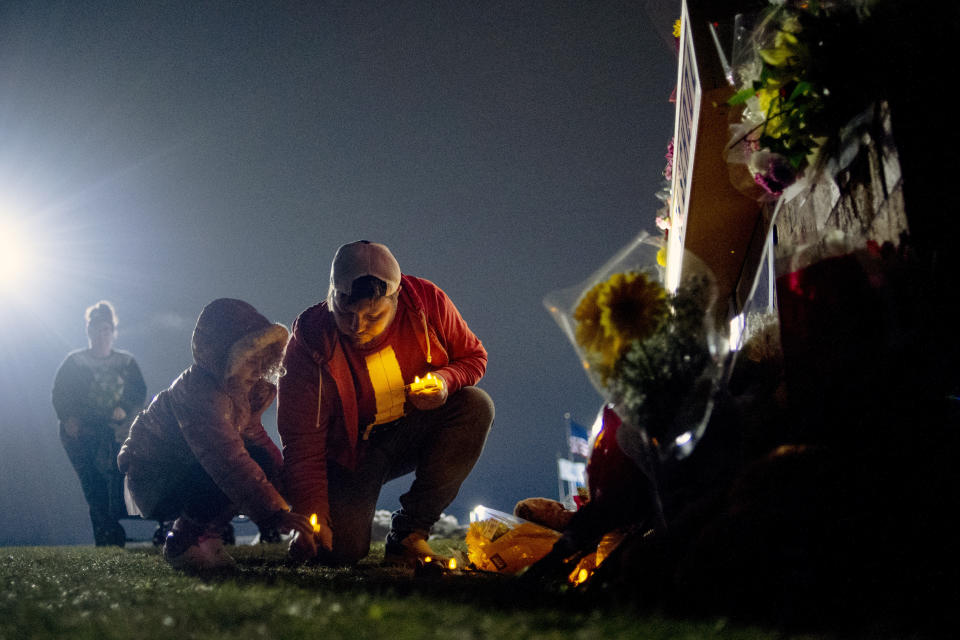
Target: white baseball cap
[{"x": 363, "y": 258}]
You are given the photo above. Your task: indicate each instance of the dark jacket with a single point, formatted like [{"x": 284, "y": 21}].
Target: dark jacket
[{"x": 79, "y": 392}]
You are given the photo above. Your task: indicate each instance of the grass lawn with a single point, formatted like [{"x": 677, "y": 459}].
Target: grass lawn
[{"x": 87, "y": 592}]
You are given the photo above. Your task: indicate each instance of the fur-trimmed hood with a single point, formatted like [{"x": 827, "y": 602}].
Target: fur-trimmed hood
[{"x": 228, "y": 331}]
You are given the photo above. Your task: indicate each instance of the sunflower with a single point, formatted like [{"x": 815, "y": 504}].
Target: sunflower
[
  {"x": 625, "y": 307},
  {"x": 633, "y": 307},
  {"x": 587, "y": 315}
]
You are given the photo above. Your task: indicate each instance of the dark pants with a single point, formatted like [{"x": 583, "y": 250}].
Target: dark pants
[
  {"x": 195, "y": 495},
  {"x": 441, "y": 446},
  {"x": 93, "y": 454}
]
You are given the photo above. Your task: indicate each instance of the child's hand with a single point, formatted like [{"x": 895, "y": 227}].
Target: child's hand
[
  {"x": 306, "y": 536},
  {"x": 290, "y": 521},
  {"x": 302, "y": 547}
]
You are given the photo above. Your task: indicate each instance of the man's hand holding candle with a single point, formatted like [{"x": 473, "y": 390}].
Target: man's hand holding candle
[{"x": 428, "y": 392}]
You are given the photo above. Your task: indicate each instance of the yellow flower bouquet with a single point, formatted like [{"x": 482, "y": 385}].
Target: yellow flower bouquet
[
  {"x": 797, "y": 90},
  {"x": 654, "y": 353}
]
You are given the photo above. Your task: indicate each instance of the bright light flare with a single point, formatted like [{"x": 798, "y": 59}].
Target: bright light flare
[{"x": 16, "y": 256}]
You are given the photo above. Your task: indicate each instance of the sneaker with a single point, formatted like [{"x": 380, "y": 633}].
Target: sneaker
[
  {"x": 214, "y": 550},
  {"x": 206, "y": 554},
  {"x": 269, "y": 535},
  {"x": 411, "y": 550},
  {"x": 161, "y": 532}
]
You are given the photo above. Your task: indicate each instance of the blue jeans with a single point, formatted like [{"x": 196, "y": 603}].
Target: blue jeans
[
  {"x": 440, "y": 446},
  {"x": 93, "y": 454}
]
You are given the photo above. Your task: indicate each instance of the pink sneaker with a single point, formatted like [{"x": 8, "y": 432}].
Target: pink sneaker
[{"x": 206, "y": 554}]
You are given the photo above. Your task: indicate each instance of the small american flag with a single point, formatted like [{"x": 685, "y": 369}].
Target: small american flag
[{"x": 579, "y": 440}]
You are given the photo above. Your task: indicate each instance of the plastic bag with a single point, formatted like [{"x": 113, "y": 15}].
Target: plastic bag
[
  {"x": 503, "y": 543},
  {"x": 794, "y": 98},
  {"x": 655, "y": 354}
]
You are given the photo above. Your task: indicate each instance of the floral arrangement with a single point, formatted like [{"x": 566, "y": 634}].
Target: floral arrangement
[
  {"x": 653, "y": 353},
  {"x": 623, "y": 309},
  {"x": 796, "y": 87},
  {"x": 657, "y": 374}
]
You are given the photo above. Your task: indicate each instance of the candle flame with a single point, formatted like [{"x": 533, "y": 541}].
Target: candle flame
[
  {"x": 314, "y": 523},
  {"x": 427, "y": 382},
  {"x": 452, "y": 564}
]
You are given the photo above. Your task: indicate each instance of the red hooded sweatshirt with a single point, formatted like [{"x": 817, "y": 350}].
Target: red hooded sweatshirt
[{"x": 318, "y": 373}]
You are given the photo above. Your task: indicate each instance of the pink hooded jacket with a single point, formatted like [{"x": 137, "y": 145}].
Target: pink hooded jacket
[{"x": 197, "y": 420}]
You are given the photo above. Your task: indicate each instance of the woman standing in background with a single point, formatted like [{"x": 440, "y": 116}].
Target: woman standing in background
[{"x": 97, "y": 394}]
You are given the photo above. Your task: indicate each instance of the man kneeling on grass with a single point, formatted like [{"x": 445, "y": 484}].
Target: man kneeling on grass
[
  {"x": 353, "y": 412},
  {"x": 199, "y": 452}
]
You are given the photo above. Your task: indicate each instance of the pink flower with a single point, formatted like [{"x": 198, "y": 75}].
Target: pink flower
[
  {"x": 775, "y": 174},
  {"x": 668, "y": 170}
]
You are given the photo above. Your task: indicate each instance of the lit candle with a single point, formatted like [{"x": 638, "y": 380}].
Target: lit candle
[
  {"x": 314, "y": 523},
  {"x": 582, "y": 576},
  {"x": 428, "y": 383}
]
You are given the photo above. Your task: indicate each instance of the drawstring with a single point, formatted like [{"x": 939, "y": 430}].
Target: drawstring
[
  {"x": 426, "y": 334},
  {"x": 316, "y": 423}
]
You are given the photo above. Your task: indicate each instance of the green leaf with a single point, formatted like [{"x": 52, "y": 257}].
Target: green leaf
[
  {"x": 797, "y": 159},
  {"x": 801, "y": 89},
  {"x": 741, "y": 96}
]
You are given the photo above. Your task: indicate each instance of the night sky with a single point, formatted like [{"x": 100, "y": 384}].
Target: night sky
[{"x": 161, "y": 155}]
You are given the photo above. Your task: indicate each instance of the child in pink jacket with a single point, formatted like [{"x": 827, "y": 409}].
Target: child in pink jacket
[{"x": 199, "y": 452}]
